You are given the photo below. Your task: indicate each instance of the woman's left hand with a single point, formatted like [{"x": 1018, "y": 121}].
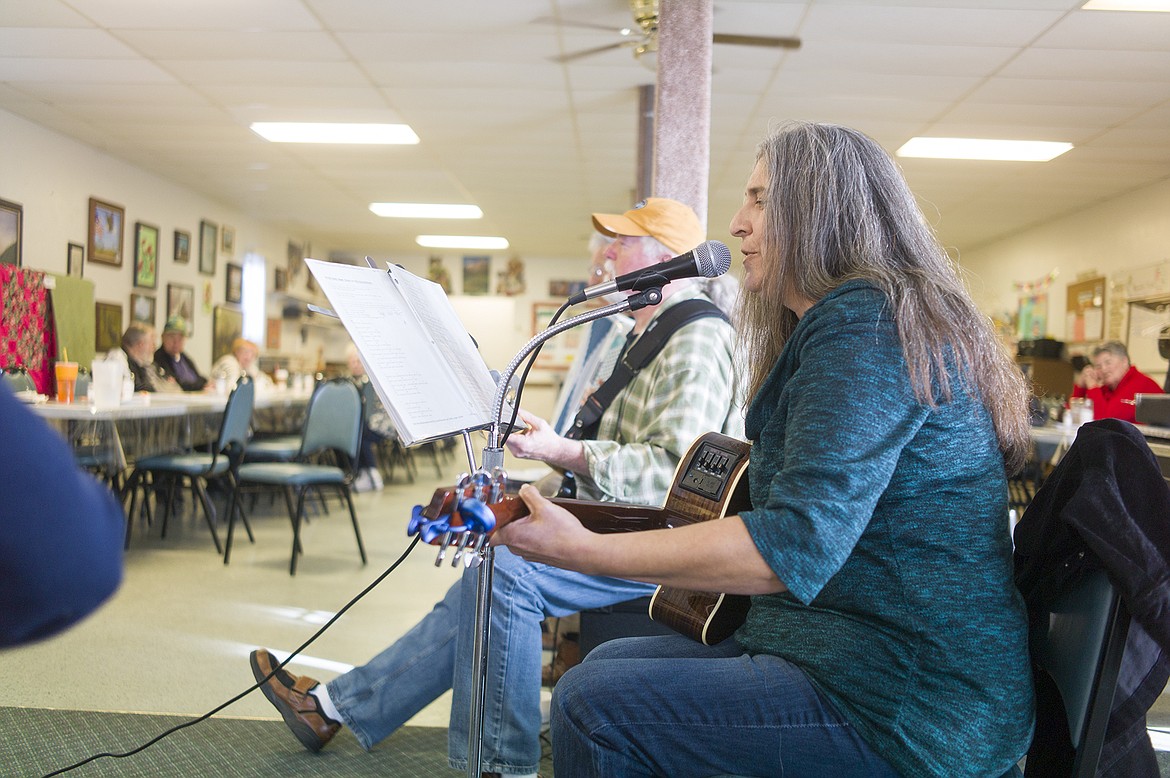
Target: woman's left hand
[{"x": 549, "y": 534}]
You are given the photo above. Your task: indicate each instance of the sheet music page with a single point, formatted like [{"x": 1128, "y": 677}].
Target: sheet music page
[
  {"x": 434, "y": 310},
  {"x": 411, "y": 375}
]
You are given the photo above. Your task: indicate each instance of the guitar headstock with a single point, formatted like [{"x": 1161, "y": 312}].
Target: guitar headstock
[{"x": 462, "y": 517}]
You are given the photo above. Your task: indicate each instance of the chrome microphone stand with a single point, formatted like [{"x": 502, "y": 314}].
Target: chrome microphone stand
[{"x": 482, "y": 554}]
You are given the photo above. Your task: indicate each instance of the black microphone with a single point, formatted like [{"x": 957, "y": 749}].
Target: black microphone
[{"x": 706, "y": 260}]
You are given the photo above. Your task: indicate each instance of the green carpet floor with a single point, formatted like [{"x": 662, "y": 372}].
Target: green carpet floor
[{"x": 34, "y": 742}]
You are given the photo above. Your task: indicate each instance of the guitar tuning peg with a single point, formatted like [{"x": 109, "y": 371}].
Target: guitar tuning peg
[{"x": 460, "y": 549}]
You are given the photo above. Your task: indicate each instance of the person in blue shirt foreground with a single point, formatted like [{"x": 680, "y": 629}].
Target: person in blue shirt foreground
[
  {"x": 886, "y": 636},
  {"x": 60, "y": 531}
]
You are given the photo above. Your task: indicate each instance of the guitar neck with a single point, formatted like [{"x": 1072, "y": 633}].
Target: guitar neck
[{"x": 601, "y": 517}]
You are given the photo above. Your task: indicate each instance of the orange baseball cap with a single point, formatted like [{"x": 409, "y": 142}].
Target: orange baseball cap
[{"x": 670, "y": 222}]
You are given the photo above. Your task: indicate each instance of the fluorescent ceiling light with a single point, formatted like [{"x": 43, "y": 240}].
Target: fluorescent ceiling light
[
  {"x": 461, "y": 242},
  {"x": 330, "y": 132},
  {"x": 426, "y": 211},
  {"x": 1127, "y": 5},
  {"x": 981, "y": 148}
]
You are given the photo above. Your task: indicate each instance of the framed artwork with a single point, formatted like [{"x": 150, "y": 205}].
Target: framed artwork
[
  {"x": 272, "y": 334},
  {"x": 227, "y": 240},
  {"x": 142, "y": 309},
  {"x": 106, "y": 222},
  {"x": 11, "y": 223},
  {"x": 235, "y": 283},
  {"x": 182, "y": 246},
  {"x": 476, "y": 278},
  {"x": 226, "y": 325},
  {"x": 296, "y": 255},
  {"x": 280, "y": 279},
  {"x": 75, "y": 260},
  {"x": 558, "y": 353},
  {"x": 437, "y": 272},
  {"x": 145, "y": 255},
  {"x": 1085, "y": 311},
  {"x": 108, "y": 330},
  {"x": 208, "y": 236},
  {"x": 562, "y": 288},
  {"x": 181, "y": 302}
]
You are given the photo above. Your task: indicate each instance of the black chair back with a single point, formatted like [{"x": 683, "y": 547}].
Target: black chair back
[{"x": 1076, "y": 656}]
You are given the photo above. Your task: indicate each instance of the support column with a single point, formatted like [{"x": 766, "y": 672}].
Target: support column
[{"x": 682, "y": 132}]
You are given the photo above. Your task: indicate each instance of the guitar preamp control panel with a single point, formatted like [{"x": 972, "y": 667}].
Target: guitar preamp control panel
[{"x": 710, "y": 470}]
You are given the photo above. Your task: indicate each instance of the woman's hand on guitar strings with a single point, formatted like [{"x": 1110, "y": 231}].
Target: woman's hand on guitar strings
[{"x": 549, "y": 534}]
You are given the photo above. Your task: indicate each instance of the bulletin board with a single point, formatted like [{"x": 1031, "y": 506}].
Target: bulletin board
[{"x": 1085, "y": 311}]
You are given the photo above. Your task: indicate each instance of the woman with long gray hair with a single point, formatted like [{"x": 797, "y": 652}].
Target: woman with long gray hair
[{"x": 885, "y": 636}]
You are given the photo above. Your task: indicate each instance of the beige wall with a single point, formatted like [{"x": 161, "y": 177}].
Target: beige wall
[{"x": 1126, "y": 240}]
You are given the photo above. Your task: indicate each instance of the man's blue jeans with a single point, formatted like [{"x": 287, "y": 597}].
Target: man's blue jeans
[
  {"x": 671, "y": 706},
  {"x": 435, "y": 655}
]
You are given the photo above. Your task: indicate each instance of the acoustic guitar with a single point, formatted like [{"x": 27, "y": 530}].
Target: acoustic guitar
[{"x": 710, "y": 483}]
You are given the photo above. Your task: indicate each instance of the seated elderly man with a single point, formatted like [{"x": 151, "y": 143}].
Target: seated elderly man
[
  {"x": 137, "y": 355},
  {"x": 174, "y": 361},
  {"x": 1112, "y": 383}
]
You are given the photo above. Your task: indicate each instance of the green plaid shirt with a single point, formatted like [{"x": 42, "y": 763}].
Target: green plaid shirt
[{"x": 687, "y": 390}]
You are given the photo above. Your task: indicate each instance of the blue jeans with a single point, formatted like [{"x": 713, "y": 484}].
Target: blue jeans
[
  {"x": 435, "y": 655},
  {"x": 671, "y": 706}
]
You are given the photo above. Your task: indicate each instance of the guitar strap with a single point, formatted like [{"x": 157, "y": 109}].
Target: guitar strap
[{"x": 636, "y": 357}]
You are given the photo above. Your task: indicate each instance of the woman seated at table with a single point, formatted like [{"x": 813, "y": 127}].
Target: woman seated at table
[
  {"x": 1112, "y": 383},
  {"x": 243, "y": 360}
]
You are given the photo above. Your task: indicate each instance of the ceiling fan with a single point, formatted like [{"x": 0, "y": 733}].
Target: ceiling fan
[{"x": 643, "y": 37}]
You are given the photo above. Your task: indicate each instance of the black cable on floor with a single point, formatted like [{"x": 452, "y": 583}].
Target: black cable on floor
[{"x": 254, "y": 686}]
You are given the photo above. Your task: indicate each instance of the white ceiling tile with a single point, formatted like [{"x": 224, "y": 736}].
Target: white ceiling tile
[
  {"x": 1123, "y": 32},
  {"x": 1090, "y": 65},
  {"x": 83, "y": 71},
  {"x": 928, "y": 26},
  {"x": 263, "y": 72},
  {"x": 205, "y": 15},
  {"x": 307, "y": 46},
  {"x": 64, "y": 43}
]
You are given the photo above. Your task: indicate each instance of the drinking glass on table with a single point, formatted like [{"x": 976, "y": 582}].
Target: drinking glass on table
[{"x": 66, "y": 381}]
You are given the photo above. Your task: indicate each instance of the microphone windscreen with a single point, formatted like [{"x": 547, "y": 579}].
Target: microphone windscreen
[{"x": 713, "y": 258}]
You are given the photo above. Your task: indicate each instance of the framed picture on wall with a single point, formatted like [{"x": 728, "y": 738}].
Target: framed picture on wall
[
  {"x": 11, "y": 225},
  {"x": 142, "y": 309},
  {"x": 75, "y": 260},
  {"x": 108, "y": 331},
  {"x": 106, "y": 223},
  {"x": 226, "y": 325},
  {"x": 280, "y": 279},
  {"x": 272, "y": 334},
  {"x": 145, "y": 255},
  {"x": 476, "y": 275},
  {"x": 208, "y": 235},
  {"x": 235, "y": 282},
  {"x": 182, "y": 246},
  {"x": 227, "y": 240},
  {"x": 181, "y": 302}
]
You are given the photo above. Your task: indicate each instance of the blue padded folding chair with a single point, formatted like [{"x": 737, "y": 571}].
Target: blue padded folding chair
[
  {"x": 201, "y": 467},
  {"x": 333, "y": 423}
]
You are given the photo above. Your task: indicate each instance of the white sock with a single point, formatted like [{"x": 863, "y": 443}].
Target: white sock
[{"x": 327, "y": 707}]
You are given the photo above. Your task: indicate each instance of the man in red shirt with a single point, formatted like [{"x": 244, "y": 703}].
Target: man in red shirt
[{"x": 1112, "y": 383}]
